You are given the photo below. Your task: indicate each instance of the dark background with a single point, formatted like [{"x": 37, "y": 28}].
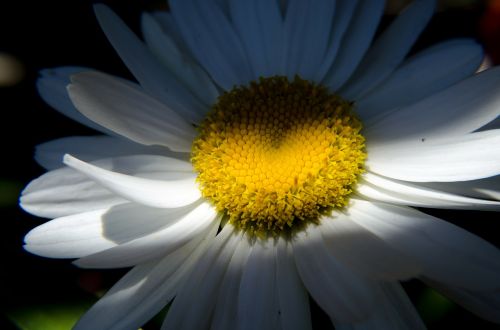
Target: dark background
[{"x": 44, "y": 34}]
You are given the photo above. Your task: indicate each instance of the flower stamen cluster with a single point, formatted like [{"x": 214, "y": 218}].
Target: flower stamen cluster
[{"x": 278, "y": 153}]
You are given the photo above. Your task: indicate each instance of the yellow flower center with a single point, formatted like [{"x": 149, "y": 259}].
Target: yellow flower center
[{"x": 276, "y": 154}]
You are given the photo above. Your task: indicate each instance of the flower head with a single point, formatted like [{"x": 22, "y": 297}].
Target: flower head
[{"x": 270, "y": 151}]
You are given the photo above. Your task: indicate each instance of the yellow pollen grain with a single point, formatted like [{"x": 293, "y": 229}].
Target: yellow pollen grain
[{"x": 276, "y": 154}]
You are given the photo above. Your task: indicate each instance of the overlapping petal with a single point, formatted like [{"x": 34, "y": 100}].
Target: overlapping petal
[
  {"x": 344, "y": 12},
  {"x": 91, "y": 148},
  {"x": 306, "y": 34},
  {"x": 355, "y": 42},
  {"x": 469, "y": 157},
  {"x": 344, "y": 295},
  {"x": 151, "y": 74},
  {"x": 225, "y": 315},
  {"x": 185, "y": 226},
  {"x": 213, "y": 40},
  {"x": 202, "y": 284},
  {"x": 420, "y": 76},
  {"x": 155, "y": 193},
  {"x": 405, "y": 193},
  {"x": 178, "y": 61},
  {"x": 389, "y": 50},
  {"x": 440, "y": 248},
  {"x": 143, "y": 291},
  {"x": 52, "y": 88},
  {"x": 488, "y": 188},
  {"x": 128, "y": 111},
  {"x": 484, "y": 304},
  {"x": 455, "y": 111},
  {"x": 292, "y": 295},
  {"x": 394, "y": 312},
  {"x": 362, "y": 251},
  {"x": 87, "y": 233},
  {"x": 259, "y": 25},
  {"x": 258, "y": 306},
  {"x": 64, "y": 192}
]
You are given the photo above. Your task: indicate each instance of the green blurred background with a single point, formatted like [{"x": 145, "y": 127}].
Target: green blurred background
[{"x": 45, "y": 294}]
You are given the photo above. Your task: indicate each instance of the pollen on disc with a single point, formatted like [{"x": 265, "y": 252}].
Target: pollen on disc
[{"x": 278, "y": 153}]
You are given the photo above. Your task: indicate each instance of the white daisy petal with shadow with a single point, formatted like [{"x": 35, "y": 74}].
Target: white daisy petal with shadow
[
  {"x": 178, "y": 61},
  {"x": 148, "y": 286},
  {"x": 394, "y": 44},
  {"x": 292, "y": 295},
  {"x": 151, "y": 74},
  {"x": 355, "y": 42},
  {"x": 127, "y": 104},
  {"x": 63, "y": 192},
  {"x": 422, "y": 75},
  {"x": 148, "y": 191},
  {"x": 51, "y": 86},
  {"x": 91, "y": 148}
]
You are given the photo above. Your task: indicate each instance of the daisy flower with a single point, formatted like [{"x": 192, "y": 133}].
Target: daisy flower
[{"x": 270, "y": 151}]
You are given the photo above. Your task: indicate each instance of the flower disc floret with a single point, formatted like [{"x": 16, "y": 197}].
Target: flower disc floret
[{"x": 277, "y": 153}]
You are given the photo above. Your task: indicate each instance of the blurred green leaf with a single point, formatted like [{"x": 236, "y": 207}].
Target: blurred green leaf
[
  {"x": 432, "y": 306},
  {"x": 49, "y": 316},
  {"x": 9, "y": 192}
]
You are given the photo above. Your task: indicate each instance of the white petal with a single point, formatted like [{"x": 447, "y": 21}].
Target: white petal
[
  {"x": 260, "y": 27},
  {"x": 445, "y": 252},
  {"x": 64, "y": 192},
  {"x": 405, "y": 193},
  {"x": 394, "y": 312},
  {"x": 101, "y": 316},
  {"x": 226, "y": 306},
  {"x": 82, "y": 234},
  {"x": 484, "y": 304},
  {"x": 128, "y": 111},
  {"x": 72, "y": 236},
  {"x": 89, "y": 148},
  {"x": 399, "y": 308},
  {"x": 292, "y": 296},
  {"x": 150, "y": 73},
  {"x": 148, "y": 166},
  {"x": 168, "y": 288},
  {"x": 224, "y": 6},
  {"x": 494, "y": 124},
  {"x": 362, "y": 251},
  {"x": 488, "y": 188},
  {"x": 344, "y": 11},
  {"x": 389, "y": 49},
  {"x": 182, "y": 66},
  {"x": 170, "y": 28},
  {"x": 144, "y": 291},
  {"x": 306, "y": 32},
  {"x": 422, "y": 75},
  {"x": 469, "y": 157},
  {"x": 355, "y": 42},
  {"x": 155, "y": 193},
  {"x": 343, "y": 295},
  {"x": 211, "y": 38},
  {"x": 185, "y": 227},
  {"x": 202, "y": 285},
  {"x": 52, "y": 88},
  {"x": 457, "y": 110},
  {"x": 257, "y": 301}
]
